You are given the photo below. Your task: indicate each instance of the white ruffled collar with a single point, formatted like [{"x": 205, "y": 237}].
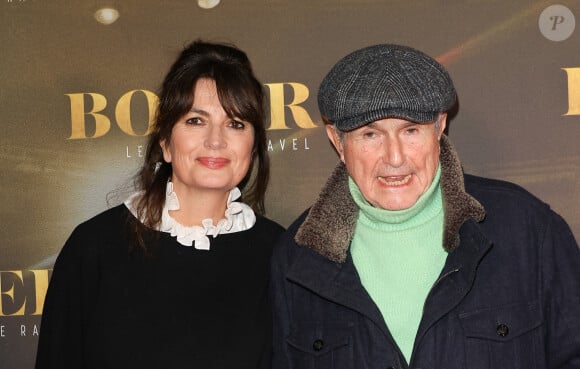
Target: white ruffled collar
[{"x": 238, "y": 217}]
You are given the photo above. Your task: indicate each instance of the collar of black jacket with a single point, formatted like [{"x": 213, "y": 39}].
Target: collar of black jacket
[{"x": 330, "y": 223}]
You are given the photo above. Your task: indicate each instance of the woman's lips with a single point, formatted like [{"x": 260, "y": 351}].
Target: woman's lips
[{"x": 213, "y": 163}]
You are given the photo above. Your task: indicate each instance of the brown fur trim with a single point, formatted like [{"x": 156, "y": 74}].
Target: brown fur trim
[
  {"x": 458, "y": 205},
  {"x": 329, "y": 226}
]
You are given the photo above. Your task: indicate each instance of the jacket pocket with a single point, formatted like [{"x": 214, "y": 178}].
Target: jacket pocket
[
  {"x": 504, "y": 337},
  {"x": 320, "y": 345}
]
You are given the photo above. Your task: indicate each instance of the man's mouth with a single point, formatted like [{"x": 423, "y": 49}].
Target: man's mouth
[{"x": 395, "y": 180}]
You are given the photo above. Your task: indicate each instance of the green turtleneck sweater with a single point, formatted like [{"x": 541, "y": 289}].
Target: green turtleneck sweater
[{"x": 399, "y": 255}]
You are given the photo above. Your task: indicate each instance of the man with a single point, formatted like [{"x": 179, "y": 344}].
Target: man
[{"x": 405, "y": 262}]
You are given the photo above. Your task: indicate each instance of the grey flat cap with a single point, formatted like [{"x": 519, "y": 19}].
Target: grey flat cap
[{"x": 385, "y": 81}]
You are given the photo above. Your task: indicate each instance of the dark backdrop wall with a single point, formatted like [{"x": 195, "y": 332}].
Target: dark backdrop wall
[{"x": 76, "y": 97}]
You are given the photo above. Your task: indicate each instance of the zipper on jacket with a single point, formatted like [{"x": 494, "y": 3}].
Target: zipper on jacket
[{"x": 437, "y": 282}]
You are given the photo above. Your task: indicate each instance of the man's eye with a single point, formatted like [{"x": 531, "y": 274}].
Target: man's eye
[{"x": 369, "y": 134}]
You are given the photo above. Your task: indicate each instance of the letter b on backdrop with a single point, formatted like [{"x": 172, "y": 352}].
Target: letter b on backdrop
[{"x": 102, "y": 123}]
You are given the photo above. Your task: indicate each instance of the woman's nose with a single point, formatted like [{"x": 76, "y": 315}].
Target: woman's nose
[{"x": 215, "y": 138}]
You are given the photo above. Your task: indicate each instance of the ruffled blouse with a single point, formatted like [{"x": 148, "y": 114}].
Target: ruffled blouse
[{"x": 238, "y": 217}]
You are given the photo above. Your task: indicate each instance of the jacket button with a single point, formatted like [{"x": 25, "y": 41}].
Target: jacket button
[
  {"x": 317, "y": 345},
  {"x": 502, "y": 330}
]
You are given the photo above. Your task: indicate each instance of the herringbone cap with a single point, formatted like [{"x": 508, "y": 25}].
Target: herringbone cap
[{"x": 384, "y": 81}]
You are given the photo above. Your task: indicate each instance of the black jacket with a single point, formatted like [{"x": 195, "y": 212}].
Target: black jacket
[{"x": 507, "y": 297}]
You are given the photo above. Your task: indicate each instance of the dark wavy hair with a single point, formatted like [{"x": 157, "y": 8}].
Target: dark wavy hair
[{"x": 240, "y": 94}]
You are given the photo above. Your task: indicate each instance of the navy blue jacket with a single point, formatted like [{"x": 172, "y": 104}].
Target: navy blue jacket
[{"x": 507, "y": 297}]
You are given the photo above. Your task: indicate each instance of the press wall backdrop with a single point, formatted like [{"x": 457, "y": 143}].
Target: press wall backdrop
[{"x": 77, "y": 95}]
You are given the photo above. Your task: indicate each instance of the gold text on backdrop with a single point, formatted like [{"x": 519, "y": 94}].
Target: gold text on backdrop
[
  {"x": 573, "y": 90},
  {"x": 22, "y": 292},
  {"x": 92, "y": 104},
  {"x": 277, "y": 105},
  {"x": 102, "y": 123}
]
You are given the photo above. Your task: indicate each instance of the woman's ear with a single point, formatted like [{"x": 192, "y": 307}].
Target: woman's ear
[{"x": 165, "y": 149}]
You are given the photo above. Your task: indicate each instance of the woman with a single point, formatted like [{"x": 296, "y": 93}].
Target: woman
[{"x": 177, "y": 276}]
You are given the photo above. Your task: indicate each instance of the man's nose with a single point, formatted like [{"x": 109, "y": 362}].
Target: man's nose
[{"x": 393, "y": 151}]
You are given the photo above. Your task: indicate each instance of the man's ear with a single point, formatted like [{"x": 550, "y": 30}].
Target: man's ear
[
  {"x": 442, "y": 124},
  {"x": 335, "y": 139}
]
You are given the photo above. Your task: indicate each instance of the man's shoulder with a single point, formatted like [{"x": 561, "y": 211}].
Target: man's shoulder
[
  {"x": 497, "y": 194},
  {"x": 484, "y": 186},
  {"x": 295, "y": 225},
  {"x": 287, "y": 246}
]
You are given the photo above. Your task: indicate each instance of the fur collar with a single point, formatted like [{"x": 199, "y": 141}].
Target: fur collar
[{"x": 330, "y": 223}]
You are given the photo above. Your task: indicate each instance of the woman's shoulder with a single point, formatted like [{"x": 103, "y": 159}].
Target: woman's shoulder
[
  {"x": 102, "y": 235},
  {"x": 106, "y": 228},
  {"x": 108, "y": 219},
  {"x": 267, "y": 225}
]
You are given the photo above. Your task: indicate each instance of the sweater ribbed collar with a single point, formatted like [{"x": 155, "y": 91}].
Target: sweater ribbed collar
[
  {"x": 427, "y": 206},
  {"x": 330, "y": 223}
]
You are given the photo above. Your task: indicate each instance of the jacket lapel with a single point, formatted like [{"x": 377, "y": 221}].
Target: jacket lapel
[
  {"x": 456, "y": 279},
  {"x": 338, "y": 282}
]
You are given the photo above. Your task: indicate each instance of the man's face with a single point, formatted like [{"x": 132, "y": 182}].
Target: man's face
[{"x": 392, "y": 161}]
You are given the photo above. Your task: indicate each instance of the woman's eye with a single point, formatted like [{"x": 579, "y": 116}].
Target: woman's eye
[
  {"x": 194, "y": 121},
  {"x": 236, "y": 124}
]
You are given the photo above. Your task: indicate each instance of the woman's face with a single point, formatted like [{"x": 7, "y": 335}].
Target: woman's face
[{"x": 208, "y": 150}]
